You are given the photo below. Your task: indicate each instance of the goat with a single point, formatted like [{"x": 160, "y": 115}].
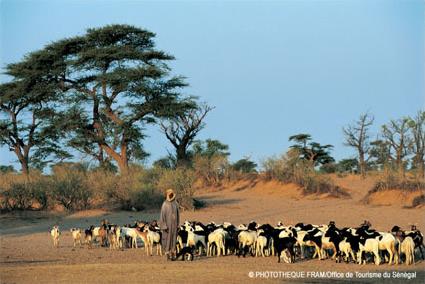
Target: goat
[
  {"x": 153, "y": 238},
  {"x": 88, "y": 236},
  {"x": 55, "y": 233},
  {"x": 195, "y": 237},
  {"x": 408, "y": 248},
  {"x": 76, "y": 236}
]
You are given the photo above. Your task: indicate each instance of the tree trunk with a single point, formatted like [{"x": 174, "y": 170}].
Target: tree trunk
[
  {"x": 181, "y": 156},
  {"x": 362, "y": 166},
  {"x": 23, "y": 160}
]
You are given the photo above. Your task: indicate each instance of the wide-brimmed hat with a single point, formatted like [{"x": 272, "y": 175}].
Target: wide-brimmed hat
[{"x": 170, "y": 195}]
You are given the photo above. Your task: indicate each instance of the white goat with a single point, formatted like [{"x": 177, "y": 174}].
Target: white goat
[
  {"x": 55, "y": 233},
  {"x": 408, "y": 248},
  {"x": 76, "y": 236},
  {"x": 370, "y": 245}
]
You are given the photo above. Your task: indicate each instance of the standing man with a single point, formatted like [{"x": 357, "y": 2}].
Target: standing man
[{"x": 169, "y": 223}]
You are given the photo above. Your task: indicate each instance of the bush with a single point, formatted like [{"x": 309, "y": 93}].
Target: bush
[
  {"x": 41, "y": 193},
  {"x": 137, "y": 189},
  {"x": 418, "y": 201},
  {"x": 245, "y": 166},
  {"x": 210, "y": 169},
  {"x": 290, "y": 168},
  {"x": 181, "y": 180},
  {"x": 24, "y": 193},
  {"x": 390, "y": 179},
  {"x": 18, "y": 197},
  {"x": 70, "y": 189}
]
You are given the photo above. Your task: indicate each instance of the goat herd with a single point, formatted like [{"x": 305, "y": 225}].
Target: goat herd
[{"x": 289, "y": 243}]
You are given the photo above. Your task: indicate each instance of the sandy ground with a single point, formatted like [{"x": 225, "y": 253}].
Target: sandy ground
[{"x": 27, "y": 255}]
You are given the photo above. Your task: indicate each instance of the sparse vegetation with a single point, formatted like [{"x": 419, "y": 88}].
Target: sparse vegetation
[{"x": 291, "y": 168}]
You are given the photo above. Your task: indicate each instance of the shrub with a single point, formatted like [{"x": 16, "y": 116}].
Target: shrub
[
  {"x": 245, "y": 166},
  {"x": 181, "y": 180},
  {"x": 290, "y": 168},
  {"x": 41, "y": 193},
  {"x": 390, "y": 179},
  {"x": 210, "y": 169},
  {"x": 418, "y": 201},
  {"x": 70, "y": 190},
  {"x": 17, "y": 197}
]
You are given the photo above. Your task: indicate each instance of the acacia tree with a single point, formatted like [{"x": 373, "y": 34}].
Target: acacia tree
[
  {"x": 417, "y": 129},
  {"x": 313, "y": 152},
  {"x": 25, "y": 109},
  {"x": 182, "y": 129},
  {"x": 114, "y": 82},
  {"x": 357, "y": 136},
  {"x": 396, "y": 134}
]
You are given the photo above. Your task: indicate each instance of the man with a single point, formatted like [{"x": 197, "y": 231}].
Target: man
[{"x": 169, "y": 223}]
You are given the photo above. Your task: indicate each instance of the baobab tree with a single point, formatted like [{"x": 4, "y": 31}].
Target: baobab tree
[
  {"x": 417, "y": 129},
  {"x": 396, "y": 134},
  {"x": 357, "y": 137}
]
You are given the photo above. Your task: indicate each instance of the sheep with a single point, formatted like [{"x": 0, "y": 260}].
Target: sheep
[
  {"x": 55, "y": 233},
  {"x": 247, "y": 240},
  {"x": 217, "y": 237},
  {"x": 261, "y": 246},
  {"x": 368, "y": 245},
  {"x": 345, "y": 248},
  {"x": 76, "y": 236},
  {"x": 408, "y": 248}
]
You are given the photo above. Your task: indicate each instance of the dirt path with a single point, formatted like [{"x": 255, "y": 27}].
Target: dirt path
[{"x": 27, "y": 255}]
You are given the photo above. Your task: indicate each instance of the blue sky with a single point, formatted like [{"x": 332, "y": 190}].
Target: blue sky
[{"x": 271, "y": 68}]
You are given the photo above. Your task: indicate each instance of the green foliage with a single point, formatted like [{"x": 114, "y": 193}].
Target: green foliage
[
  {"x": 18, "y": 197},
  {"x": 26, "y": 195},
  {"x": 168, "y": 162},
  {"x": 348, "y": 166},
  {"x": 116, "y": 82},
  {"x": 26, "y": 108},
  {"x": 210, "y": 148},
  {"x": 313, "y": 152},
  {"x": 245, "y": 166},
  {"x": 70, "y": 189},
  {"x": 7, "y": 169}
]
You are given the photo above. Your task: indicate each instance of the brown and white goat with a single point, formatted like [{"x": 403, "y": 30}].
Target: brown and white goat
[{"x": 76, "y": 236}]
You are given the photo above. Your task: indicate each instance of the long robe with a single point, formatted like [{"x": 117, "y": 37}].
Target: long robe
[{"x": 169, "y": 223}]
